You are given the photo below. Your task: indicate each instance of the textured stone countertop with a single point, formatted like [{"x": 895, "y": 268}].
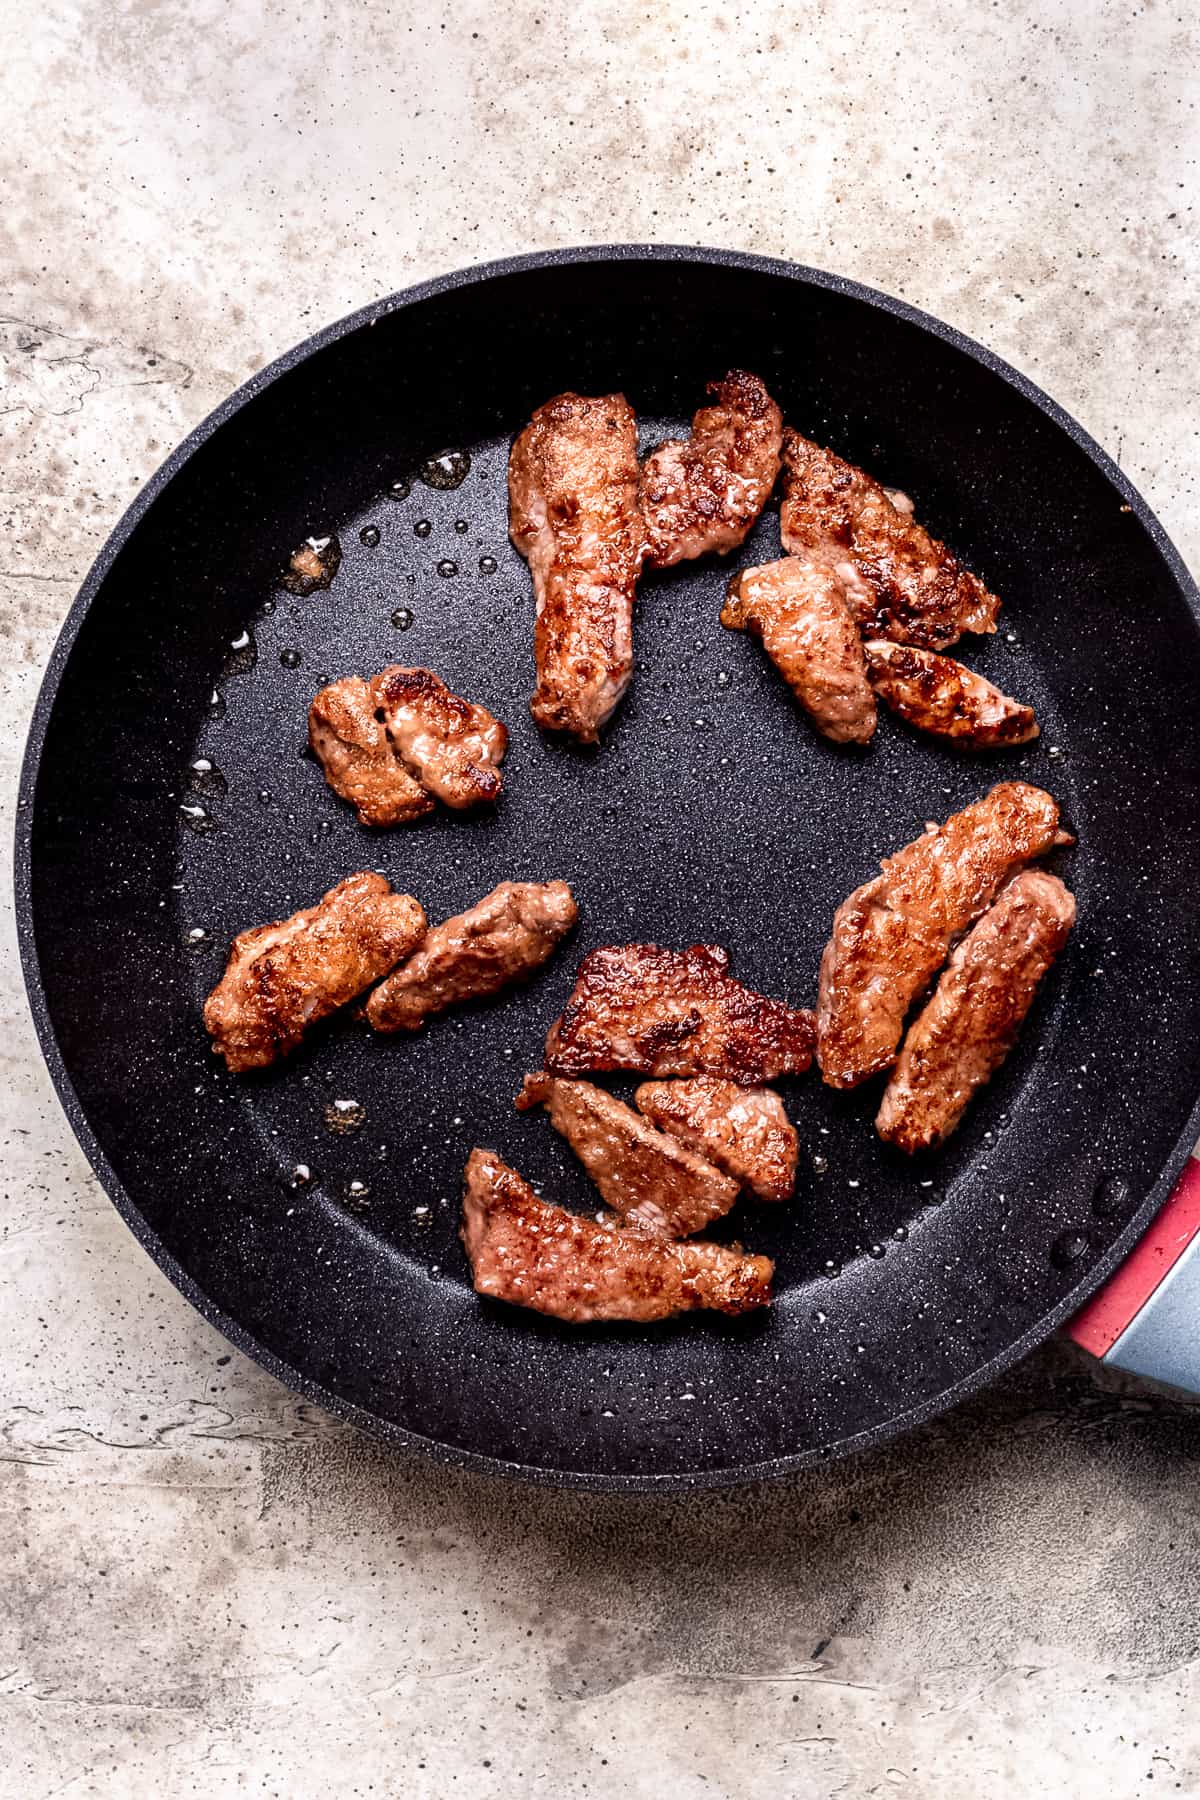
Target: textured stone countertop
[{"x": 208, "y": 1588}]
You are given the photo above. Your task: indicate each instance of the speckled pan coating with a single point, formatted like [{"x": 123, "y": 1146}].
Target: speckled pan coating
[{"x": 706, "y": 815}]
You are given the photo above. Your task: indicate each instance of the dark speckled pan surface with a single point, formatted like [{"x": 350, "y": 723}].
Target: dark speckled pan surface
[{"x": 711, "y": 812}]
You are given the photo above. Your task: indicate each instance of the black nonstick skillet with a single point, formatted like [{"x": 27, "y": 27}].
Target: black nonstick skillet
[{"x": 167, "y": 802}]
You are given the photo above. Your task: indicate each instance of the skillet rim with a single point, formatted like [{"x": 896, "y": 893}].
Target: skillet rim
[{"x": 731, "y": 1475}]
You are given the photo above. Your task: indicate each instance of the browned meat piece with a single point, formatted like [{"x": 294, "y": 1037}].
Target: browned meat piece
[
  {"x": 938, "y": 695},
  {"x": 966, "y": 1030},
  {"x": 530, "y": 1253},
  {"x": 313, "y": 566},
  {"x": 450, "y": 745},
  {"x": 645, "y": 1176},
  {"x": 909, "y": 587},
  {"x": 893, "y": 934},
  {"x": 501, "y": 939},
  {"x": 704, "y": 492},
  {"x": 282, "y": 978},
  {"x": 392, "y": 744},
  {"x": 745, "y": 1131},
  {"x": 798, "y": 609},
  {"x": 357, "y": 756},
  {"x": 573, "y": 515},
  {"x": 675, "y": 1012}
]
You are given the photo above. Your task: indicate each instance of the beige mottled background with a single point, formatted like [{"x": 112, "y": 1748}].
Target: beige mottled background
[{"x": 205, "y": 1587}]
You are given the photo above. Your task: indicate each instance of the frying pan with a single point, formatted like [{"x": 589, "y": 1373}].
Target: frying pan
[{"x": 167, "y": 802}]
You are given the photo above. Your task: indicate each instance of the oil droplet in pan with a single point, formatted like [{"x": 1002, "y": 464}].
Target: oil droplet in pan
[
  {"x": 369, "y": 535},
  {"x": 291, "y": 659},
  {"x": 402, "y": 618},
  {"x": 241, "y": 655},
  {"x": 449, "y": 470},
  {"x": 345, "y": 1116},
  {"x": 216, "y": 704},
  {"x": 204, "y": 777},
  {"x": 487, "y": 565},
  {"x": 1113, "y": 1195},
  {"x": 1068, "y": 1248},
  {"x": 313, "y": 566},
  {"x": 195, "y": 815}
]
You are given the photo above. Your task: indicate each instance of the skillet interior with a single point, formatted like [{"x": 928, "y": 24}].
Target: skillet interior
[{"x": 712, "y": 812}]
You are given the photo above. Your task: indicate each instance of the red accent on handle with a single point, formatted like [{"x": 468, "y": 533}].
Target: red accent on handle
[{"x": 1099, "y": 1324}]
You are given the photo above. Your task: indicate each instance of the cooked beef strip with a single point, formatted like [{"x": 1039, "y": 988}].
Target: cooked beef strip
[
  {"x": 675, "y": 1012},
  {"x": 900, "y": 582},
  {"x": 501, "y": 939},
  {"x": 282, "y": 978},
  {"x": 359, "y": 760},
  {"x": 744, "y": 1131},
  {"x": 450, "y": 745},
  {"x": 938, "y": 695},
  {"x": 797, "y": 607},
  {"x": 574, "y": 516},
  {"x": 650, "y": 1179},
  {"x": 893, "y": 934},
  {"x": 704, "y": 492},
  {"x": 969, "y": 1025},
  {"x": 531, "y": 1253}
]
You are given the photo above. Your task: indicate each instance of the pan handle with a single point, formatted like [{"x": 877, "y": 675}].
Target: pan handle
[{"x": 1147, "y": 1317}]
